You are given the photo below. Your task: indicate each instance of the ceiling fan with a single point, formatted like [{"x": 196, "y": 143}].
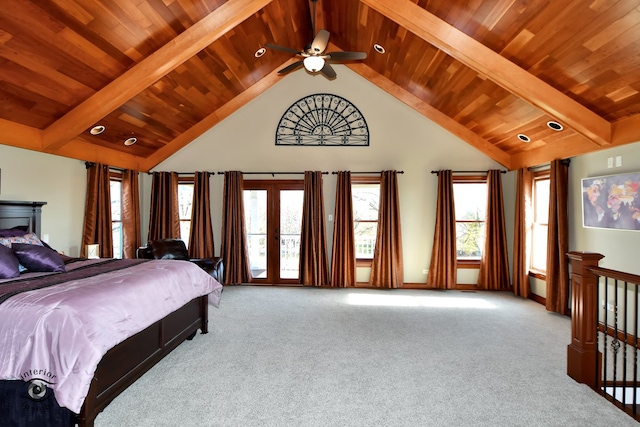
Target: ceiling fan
[{"x": 315, "y": 58}]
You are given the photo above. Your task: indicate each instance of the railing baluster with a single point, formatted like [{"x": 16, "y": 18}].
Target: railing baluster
[
  {"x": 624, "y": 343},
  {"x": 605, "y": 347}
]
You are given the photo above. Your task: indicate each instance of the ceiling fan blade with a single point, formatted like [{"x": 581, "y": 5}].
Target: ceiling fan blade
[
  {"x": 291, "y": 67},
  {"x": 282, "y": 48},
  {"x": 346, "y": 56},
  {"x": 320, "y": 42},
  {"x": 328, "y": 71}
]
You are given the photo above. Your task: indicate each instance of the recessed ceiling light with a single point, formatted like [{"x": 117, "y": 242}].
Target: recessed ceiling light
[
  {"x": 555, "y": 125},
  {"x": 130, "y": 141},
  {"x": 524, "y": 138},
  {"x": 260, "y": 52},
  {"x": 379, "y": 48},
  {"x": 97, "y": 130}
]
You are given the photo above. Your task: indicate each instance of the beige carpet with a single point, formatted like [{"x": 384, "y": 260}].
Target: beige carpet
[{"x": 338, "y": 357}]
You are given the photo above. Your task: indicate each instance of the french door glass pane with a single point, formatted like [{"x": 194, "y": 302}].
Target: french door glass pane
[
  {"x": 255, "y": 212},
  {"x": 290, "y": 227}
]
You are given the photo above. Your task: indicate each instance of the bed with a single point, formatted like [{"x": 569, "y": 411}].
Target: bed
[{"x": 104, "y": 322}]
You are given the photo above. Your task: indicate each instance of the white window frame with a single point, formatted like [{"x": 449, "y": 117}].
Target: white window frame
[
  {"x": 355, "y": 183},
  {"x": 470, "y": 262}
]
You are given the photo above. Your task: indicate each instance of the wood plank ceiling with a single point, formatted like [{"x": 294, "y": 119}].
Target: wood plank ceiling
[{"x": 165, "y": 71}]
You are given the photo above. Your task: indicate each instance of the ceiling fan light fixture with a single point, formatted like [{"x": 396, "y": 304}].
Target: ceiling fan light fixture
[{"x": 313, "y": 64}]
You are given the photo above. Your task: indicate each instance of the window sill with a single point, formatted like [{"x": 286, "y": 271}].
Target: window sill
[
  {"x": 364, "y": 262},
  {"x": 466, "y": 263},
  {"x": 538, "y": 274}
]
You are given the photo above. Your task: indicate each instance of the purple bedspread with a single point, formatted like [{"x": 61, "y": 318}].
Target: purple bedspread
[{"x": 58, "y": 334}]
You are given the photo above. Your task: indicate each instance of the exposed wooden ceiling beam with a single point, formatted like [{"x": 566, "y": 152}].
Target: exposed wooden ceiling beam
[
  {"x": 574, "y": 145},
  {"x": 433, "y": 114},
  {"x": 626, "y": 131},
  {"x": 495, "y": 67},
  {"x": 149, "y": 70}
]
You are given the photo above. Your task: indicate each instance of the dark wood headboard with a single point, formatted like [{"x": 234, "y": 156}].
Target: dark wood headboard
[{"x": 21, "y": 214}]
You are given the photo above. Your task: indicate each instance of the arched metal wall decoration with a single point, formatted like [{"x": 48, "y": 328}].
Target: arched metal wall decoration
[{"x": 322, "y": 119}]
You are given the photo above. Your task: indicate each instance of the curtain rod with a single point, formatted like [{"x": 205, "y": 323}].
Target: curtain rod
[
  {"x": 272, "y": 173},
  {"x": 501, "y": 171},
  {"x": 548, "y": 165},
  {"x": 183, "y": 173},
  {"x": 367, "y": 173}
]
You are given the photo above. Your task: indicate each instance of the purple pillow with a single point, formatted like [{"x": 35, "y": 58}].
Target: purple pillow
[
  {"x": 15, "y": 231},
  {"x": 38, "y": 258},
  {"x": 9, "y": 264}
]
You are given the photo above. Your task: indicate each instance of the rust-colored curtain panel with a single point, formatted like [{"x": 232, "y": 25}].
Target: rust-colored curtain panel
[
  {"x": 443, "y": 266},
  {"x": 97, "y": 212},
  {"x": 343, "y": 255},
  {"x": 522, "y": 234},
  {"x": 387, "y": 267},
  {"x": 557, "y": 299},
  {"x": 164, "y": 217},
  {"x": 131, "y": 239},
  {"x": 234, "y": 249},
  {"x": 201, "y": 236},
  {"x": 494, "y": 266},
  {"x": 314, "y": 269}
]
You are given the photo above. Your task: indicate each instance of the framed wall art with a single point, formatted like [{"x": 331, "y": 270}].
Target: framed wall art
[{"x": 611, "y": 202}]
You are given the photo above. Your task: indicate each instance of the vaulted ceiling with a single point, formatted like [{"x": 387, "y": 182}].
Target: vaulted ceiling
[{"x": 165, "y": 71}]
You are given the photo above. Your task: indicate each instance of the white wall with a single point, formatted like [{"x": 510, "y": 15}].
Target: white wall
[
  {"x": 400, "y": 139},
  {"x": 619, "y": 247},
  {"x": 61, "y": 182}
]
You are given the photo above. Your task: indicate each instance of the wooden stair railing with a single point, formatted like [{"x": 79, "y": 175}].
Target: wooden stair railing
[{"x": 583, "y": 358}]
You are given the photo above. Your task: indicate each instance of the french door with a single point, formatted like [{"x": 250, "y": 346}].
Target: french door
[{"x": 273, "y": 220}]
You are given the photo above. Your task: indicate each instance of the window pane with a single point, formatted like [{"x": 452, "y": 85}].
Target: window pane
[
  {"x": 470, "y": 201},
  {"x": 365, "y": 239},
  {"x": 539, "y": 249},
  {"x": 255, "y": 217},
  {"x": 185, "y": 200},
  {"x": 541, "y": 203},
  {"x": 469, "y": 239},
  {"x": 541, "y": 219},
  {"x": 115, "y": 189},
  {"x": 365, "y": 200},
  {"x": 116, "y": 234}
]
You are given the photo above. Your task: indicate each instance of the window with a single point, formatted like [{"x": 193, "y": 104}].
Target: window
[
  {"x": 185, "y": 203},
  {"x": 115, "y": 189},
  {"x": 470, "y": 198},
  {"x": 540, "y": 198},
  {"x": 365, "y": 195}
]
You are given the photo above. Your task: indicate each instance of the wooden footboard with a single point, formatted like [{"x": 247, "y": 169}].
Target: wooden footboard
[{"x": 124, "y": 364}]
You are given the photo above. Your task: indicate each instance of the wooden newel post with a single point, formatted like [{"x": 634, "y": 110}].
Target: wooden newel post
[{"x": 583, "y": 358}]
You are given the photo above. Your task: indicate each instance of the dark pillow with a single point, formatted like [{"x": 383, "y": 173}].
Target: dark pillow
[
  {"x": 38, "y": 258},
  {"x": 9, "y": 264},
  {"x": 15, "y": 231}
]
